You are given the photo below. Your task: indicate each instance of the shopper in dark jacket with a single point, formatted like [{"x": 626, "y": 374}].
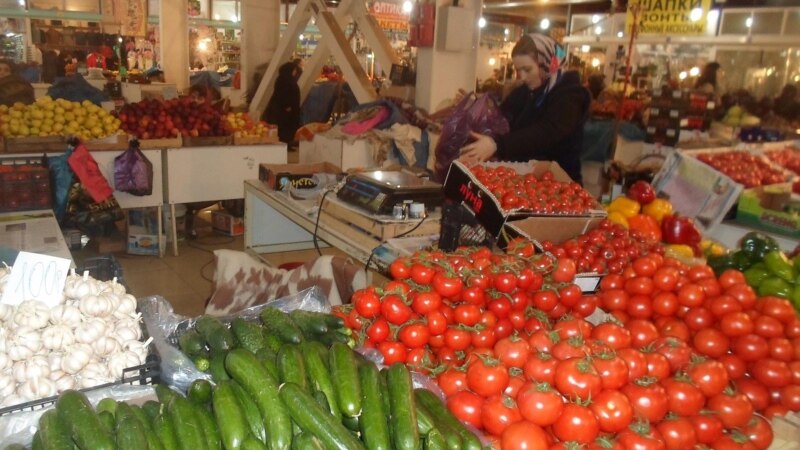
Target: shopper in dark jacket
[
  {"x": 546, "y": 113},
  {"x": 283, "y": 108},
  {"x": 13, "y": 88}
]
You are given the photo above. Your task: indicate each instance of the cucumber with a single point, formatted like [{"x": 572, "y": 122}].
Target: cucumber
[
  {"x": 165, "y": 431},
  {"x": 425, "y": 423},
  {"x": 249, "y": 335},
  {"x": 271, "y": 340},
  {"x": 321, "y": 400},
  {"x": 199, "y": 392},
  {"x": 385, "y": 390},
  {"x": 268, "y": 359},
  {"x": 256, "y": 381},
  {"x": 191, "y": 343},
  {"x": 152, "y": 440},
  {"x": 202, "y": 362},
  {"x": 344, "y": 372},
  {"x": 306, "y": 441},
  {"x": 36, "y": 442},
  {"x": 108, "y": 421},
  {"x": 83, "y": 423},
  {"x": 281, "y": 324},
  {"x": 164, "y": 393},
  {"x": 315, "y": 358},
  {"x": 233, "y": 427},
  {"x": 332, "y": 337},
  {"x": 402, "y": 409},
  {"x": 216, "y": 367},
  {"x": 425, "y": 418},
  {"x": 139, "y": 413},
  {"x": 351, "y": 423},
  {"x": 310, "y": 323},
  {"x": 15, "y": 447},
  {"x": 54, "y": 432},
  {"x": 313, "y": 419},
  {"x": 218, "y": 337},
  {"x": 186, "y": 425},
  {"x": 107, "y": 404},
  {"x": 151, "y": 408},
  {"x": 434, "y": 440},
  {"x": 373, "y": 420},
  {"x": 252, "y": 443},
  {"x": 291, "y": 366},
  {"x": 131, "y": 434},
  {"x": 250, "y": 410},
  {"x": 210, "y": 427},
  {"x": 330, "y": 321},
  {"x": 443, "y": 416}
]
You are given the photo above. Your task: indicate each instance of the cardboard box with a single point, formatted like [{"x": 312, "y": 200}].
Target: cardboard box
[
  {"x": 143, "y": 233},
  {"x": 462, "y": 186},
  {"x": 279, "y": 176},
  {"x": 226, "y": 223},
  {"x": 775, "y": 212},
  {"x": 345, "y": 154}
]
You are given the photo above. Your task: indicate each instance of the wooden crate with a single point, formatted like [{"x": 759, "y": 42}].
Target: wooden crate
[
  {"x": 255, "y": 140},
  {"x": 35, "y": 144},
  {"x": 155, "y": 144},
  {"x": 334, "y": 210},
  {"x": 207, "y": 141},
  {"x": 113, "y": 142}
]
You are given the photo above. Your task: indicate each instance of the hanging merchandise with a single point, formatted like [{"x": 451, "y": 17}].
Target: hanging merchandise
[
  {"x": 133, "y": 172},
  {"x": 87, "y": 171}
]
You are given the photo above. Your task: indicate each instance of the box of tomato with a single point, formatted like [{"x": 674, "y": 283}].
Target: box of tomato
[{"x": 501, "y": 192}]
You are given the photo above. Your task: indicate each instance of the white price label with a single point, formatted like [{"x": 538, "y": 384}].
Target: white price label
[{"x": 36, "y": 277}]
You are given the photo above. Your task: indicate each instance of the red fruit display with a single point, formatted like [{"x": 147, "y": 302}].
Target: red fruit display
[
  {"x": 788, "y": 158},
  {"x": 157, "y": 119},
  {"x": 744, "y": 167}
]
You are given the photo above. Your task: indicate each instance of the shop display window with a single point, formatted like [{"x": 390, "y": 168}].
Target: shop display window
[
  {"x": 12, "y": 4},
  {"x": 761, "y": 72},
  {"x": 226, "y": 10},
  {"x": 92, "y": 6}
]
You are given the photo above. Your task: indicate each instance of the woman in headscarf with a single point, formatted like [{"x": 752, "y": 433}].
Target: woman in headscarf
[
  {"x": 283, "y": 108},
  {"x": 546, "y": 113}
]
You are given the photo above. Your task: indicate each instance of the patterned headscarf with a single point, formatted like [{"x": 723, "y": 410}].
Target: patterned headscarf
[{"x": 550, "y": 56}]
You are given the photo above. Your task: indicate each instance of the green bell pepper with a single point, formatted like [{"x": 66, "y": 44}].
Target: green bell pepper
[
  {"x": 721, "y": 263},
  {"x": 756, "y": 245},
  {"x": 778, "y": 264},
  {"x": 755, "y": 275},
  {"x": 741, "y": 261},
  {"x": 795, "y": 297},
  {"x": 775, "y": 286}
]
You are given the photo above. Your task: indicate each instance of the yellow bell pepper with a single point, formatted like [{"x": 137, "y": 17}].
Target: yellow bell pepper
[
  {"x": 712, "y": 248},
  {"x": 625, "y": 206},
  {"x": 679, "y": 250},
  {"x": 658, "y": 209},
  {"x": 617, "y": 218}
]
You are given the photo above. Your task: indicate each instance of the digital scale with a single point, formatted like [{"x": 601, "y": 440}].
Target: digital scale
[{"x": 379, "y": 191}]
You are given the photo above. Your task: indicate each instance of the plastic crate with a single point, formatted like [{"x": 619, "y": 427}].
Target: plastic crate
[
  {"x": 460, "y": 227},
  {"x": 103, "y": 268},
  {"x": 24, "y": 185},
  {"x": 147, "y": 373}
]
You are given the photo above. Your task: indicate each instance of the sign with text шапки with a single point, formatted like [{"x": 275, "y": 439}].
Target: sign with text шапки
[{"x": 670, "y": 17}]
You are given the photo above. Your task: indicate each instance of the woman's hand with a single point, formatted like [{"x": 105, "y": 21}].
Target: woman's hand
[{"x": 479, "y": 150}]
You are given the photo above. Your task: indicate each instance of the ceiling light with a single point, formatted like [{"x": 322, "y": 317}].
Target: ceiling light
[
  {"x": 748, "y": 22},
  {"x": 216, "y": 16},
  {"x": 544, "y": 24},
  {"x": 694, "y": 71},
  {"x": 492, "y": 61},
  {"x": 585, "y": 48},
  {"x": 595, "y": 62},
  {"x": 481, "y": 22},
  {"x": 696, "y": 14},
  {"x": 21, "y": 2},
  {"x": 682, "y": 75},
  {"x": 595, "y": 18},
  {"x": 598, "y": 29},
  {"x": 407, "y": 6},
  {"x": 235, "y": 18},
  {"x": 712, "y": 15},
  {"x": 506, "y": 31},
  {"x": 302, "y": 38},
  {"x": 620, "y": 34}
]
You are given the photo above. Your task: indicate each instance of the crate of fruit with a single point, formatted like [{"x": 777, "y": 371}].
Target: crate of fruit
[
  {"x": 35, "y": 144},
  {"x": 786, "y": 156},
  {"x": 155, "y": 144},
  {"x": 207, "y": 141},
  {"x": 24, "y": 185},
  {"x": 745, "y": 166}
]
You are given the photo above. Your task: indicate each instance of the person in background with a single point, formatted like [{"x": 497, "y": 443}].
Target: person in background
[
  {"x": 283, "y": 108},
  {"x": 546, "y": 113},
  {"x": 708, "y": 81},
  {"x": 13, "y": 88},
  {"x": 596, "y": 83},
  {"x": 786, "y": 104}
]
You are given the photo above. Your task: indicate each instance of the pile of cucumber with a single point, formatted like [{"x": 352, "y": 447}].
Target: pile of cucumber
[{"x": 210, "y": 339}]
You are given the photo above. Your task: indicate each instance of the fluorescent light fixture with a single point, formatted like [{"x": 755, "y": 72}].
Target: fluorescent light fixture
[
  {"x": 620, "y": 34},
  {"x": 694, "y": 71},
  {"x": 748, "y": 22},
  {"x": 712, "y": 16},
  {"x": 682, "y": 75},
  {"x": 407, "y": 6},
  {"x": 585, "y": 48},
  {"x": 598, "y": 29},
  {"x": 595, "y": 18},
  {"x": 595, "y": 62},
  {"x": 544, "y": 24},
  {"x": 481, "y": 22},
  {"x": 216, "y": 16},
  {"x": 302, "y": 37},
  {"x": 492, "y": 61},
  {"x": 506, "y": 31},
  {"x": 696, "y": 14}
]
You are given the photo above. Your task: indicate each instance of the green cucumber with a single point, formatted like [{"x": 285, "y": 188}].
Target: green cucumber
[
  {"x": 281, "y": 324},
  {"x": 291, "y": 366},
  {"x": 54, "y": 432},
  {"x": 233, "y": 427},
  {"x": 249, "y": 335},
  {"x": 108, "y": 421},
  {"x": 256, "y": 381},
  {"x": 107, "y": 404},
  {"x": 344, "y": 373},
  {"x": 216, "y": 367},
  {"x": 83, "y": 423},
  {"x": 351, "y": 423},
  {"x": 268, "y": 359},
  {"x": 373, "y": 420},
  {"x": 218, "y": 337},
  {"x": 271, "y": 340},
  {"x": 315, "y": 357},
  {"x": 36, "y": 442},
  {"x": 191, "y": 343},
  {"x": 434, "y": 440},
  {"x": 314, "y": 324},
  {"x": 425, "y": 418},
  {"x": 131, "y": 434},
  {"x": 151, "y": 408},
  {"x": 321, "y": 400},
  {"x": 332, "y": 337},
  {"x": 165, "y": 431},
  {"x": 164, "y": 393},
  {"x": 186, "y": 424},
  {"x": 306, "y": 441},
  {"x": 15, "y": 447},
  {"x": 311, "y": 418},
  {"x": 252, "y": 443},
  {"x": 443, "y": 416},
  {"x": 210, "y": 427},
  {"x": 403, "y": 411},
  {"x": 425, "y": 423},
  {"x": 152, "y": 440},
  {"x": 250, "y": 410},
  {"x": 202, "y": 362},
  {"x": 199, "y": 392}
]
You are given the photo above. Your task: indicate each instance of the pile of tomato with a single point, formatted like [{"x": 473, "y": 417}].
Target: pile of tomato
[
  {"x": 541, "y": 194},
  {"x": 788, "y": 158},
  {"x": 744, "y": 167},
  {"x": 683, "y": 358}
]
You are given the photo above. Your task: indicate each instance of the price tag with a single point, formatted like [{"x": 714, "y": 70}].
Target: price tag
[{"x": 36, "y": 277}]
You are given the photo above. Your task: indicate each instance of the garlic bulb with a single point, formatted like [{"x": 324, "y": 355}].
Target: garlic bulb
[
  {"x": 5, "y": 361},
  {"x": 126, "y": 306},
  {"x": 93, "y": 374},
  {"x": 90, "y": 330},
  {"x": 57, "y": 337},
  {"x": 32, "y": 313},
  {"x": 63, "y": 381},
  {"x": 5, "y": 273},
  {"x": 7, "y": 385},
  {"x": 11, "y": 400},
  {"x": 116, "y": 288},
  {"x": 120, "y": 361},
  {"x": 105, "y": 346},
  {"x": 4, "y": 337},
  {"x": 138, "y": 347},
  {"x": 24, "y": 343},
  {"x": 128, "y": 329},
  {"x": 77, "y": 287},
  {"x": 54, "y": 361},
  {"x": 96, "y": 305},
  {"x": 34, "y": 367},
  {"x": 36, "y": 388},
  {"x": 65, "y": 314},
  {"x": 6, "y": 311},
  {"x": 76, "y": 357}
]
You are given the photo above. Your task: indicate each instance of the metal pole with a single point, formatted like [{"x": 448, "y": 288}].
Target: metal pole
[{"x": 635, "y": 9}]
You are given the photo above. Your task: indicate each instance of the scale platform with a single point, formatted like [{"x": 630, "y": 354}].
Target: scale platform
[{"x": 378, "y": 191}]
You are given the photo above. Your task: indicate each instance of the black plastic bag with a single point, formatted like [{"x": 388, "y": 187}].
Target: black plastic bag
[
  {"x": 133, "y": 172},
  {"x": 472, "y": 113}
]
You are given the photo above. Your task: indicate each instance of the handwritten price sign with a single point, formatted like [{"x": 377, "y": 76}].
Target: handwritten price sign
[{"x": 36, "y": 277}]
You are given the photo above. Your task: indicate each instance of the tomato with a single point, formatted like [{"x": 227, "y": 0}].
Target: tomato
[
  {"x": 640, "y": 307},
  {"x": 676, "y": 351},
  {"x": 498, "y": 412},
  {"x": 730, "y": 277},
  {"x": 457, "y": 339},
  {"x": 698, "y": 318},
  {"x": 399, "y": 269},
  {"x": 613, "y": 411},
  {"x": 641, "y": 436},
  {"x": 466, "y": 406},
  {"x": 570, "y": 294},
  {"x": 585, "y": 306},
  {"x": 665, "y": 304},
  {"x": 486, "y": 377},
  {"x": 759, "y": 432},
  {"x": 794, "y": 366},
  {"x": 437, "y": 323},
  {"x": 775, "y": 410},
  {"x": 422, "y": 274},
  {"x": 500, "y": 306},
  {"x": 474, "y": 295},
  {"x": 711, "y": 342},
  {"x": 683, "y": 398},
  {"x": 771, "y": 372},
  {"x": 674, "y": 327},
  {"x": 614, "y": 299},
  {"x": 367, "y": 303},
  {"x": 723, "y": 305},
  {"x": 756, "y": 392},
  {"x": 778, "y": 308},
  {"x": 513, "y": 351},
  {"x": 485, "y": 338},
  {"x": 540, "y": 404},
  {"x": 506, "y": 327},
  {"x": 781, "y": 349},
  {"x": 790, "y": 397},
  {"x": 728, "y": 442},
  {"x": 649, "y": 400},
  {"x": 768, "y": 327},
  {"x": 520, "y": 300},
  {"x": 515, "y": 383},
  {"x": 576, "y": 378},
  {"x": 743, "y": 294},
  {"x": 658, "y": 365},
  {"x": 452, "y": 381},
  {"x": 707, "y": 427},
  {"x": 612, "y": 369},
  {"x": 564, "y": 271},
  {"x": 524, "y": 436},
  {"x": 733, "y": 409},
  {"x": 642, "y": 331},
  {"x": 639, "y": 285},
  {"x": 467, "y": 314},
  {"x": 736, "y": 324},
  {"x": 700, "y": 271},
  {"x": 504, "y": 282},
  {"x": 735, "y": 366},
  {"x": 636, "y": 362},
  {"x": 750, "y": 347},
  {"x": 378, "y": 331},
  {"x": 678, "y": 433},
  {"x": 414, "y": 335},
  {"x": 395, "y": 310},
  {"x": 421, "y": 360},
  {"x": 611, "y": 281},
  {"x": 542, "y": 340},
  {"x": 573, "y": 328},
  {"x": 691, "y": 295},
  {"x": 613, "y": 335},
  {"x": 541, "y": 367},
  {"x": 576, "y": 423},
  {"x": 709, "y": 376},
  {"x": 529, "y": 280},
  {"x": 392, "y": 352},
  {"x": 447, "y": 286},
  {"x": 573, "y": 347},
  {"x": 424, "y": 302}
]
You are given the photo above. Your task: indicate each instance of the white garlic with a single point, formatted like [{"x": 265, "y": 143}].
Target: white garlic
[
  {"x": 120, "y": 361},
  {"x": 63, "y": 382},
  {"x": 34, "y": 367},
  {"x": 105, "y": 346},
  {"x": 76, "y": 357},
  {"x": 36, "y": 388},
  {"x": 90, "y": 330},
  {"x": 24, "y": 343},
  {"x": 77, "y": 287},
  {"x": 5, "y": 361},
  {"x": 11, "y": 400},
  {"x": 5, "y": 334},
  {"x": 116, "y": 288},
  {"x": 93, "y": 374},
  {"x": 128, "y": 329},
  {"x": 95, "y": 305},
  {"x": 7, "y": 385},
  {"x": 126, "y": 306},
  {"x": 57, "y": 337},
  {"x": 6, "y": 312},
  {"x": 32, "y": 313},
  {"x": 65, "y": 314},
  {"x": 54, "y": 361}
]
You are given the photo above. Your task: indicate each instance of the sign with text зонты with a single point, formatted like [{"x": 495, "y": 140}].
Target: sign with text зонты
[{"x": 668, "y": 16}]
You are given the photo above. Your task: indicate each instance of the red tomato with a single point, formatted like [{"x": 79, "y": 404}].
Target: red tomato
[
  {"x": 683, "y": 398},
  {"x": 678, "y": 433},
  {"x": 636, "y": 362},
  {"x": 707, "y": 427},
  {"x": 515, "y": 384},
  {"x": 564, "y": 271},
  {"x": 641, "y": 437},
  {"x": 731, "y": 277},
  {"x": 756, "y": 392},
  {"x": 576, "y": 378},
  {"x": 414, "y": 335},
  {"x": 648, "y": 400},
  {"x": 750, "y": 347},
  {"x": 658, "y": 365},
  {"x": 771, "y": 372},
  {"x": 709, "y": 376},
  {"x": 467, "y": 314},
  {"x": 367, "y": 303},
  {"x": 447, "y": 286},
  {"x": 743, "y": 294},
  {"x": 500, "y": 306},
  {"x": 524, "y": 436},
  {"x": 399, "y": 269},
  {"x": 711, "y": 342},
  {"x": 790, "y": 397},
  {"x": 723, "y": 305},
  {"x": 768, "y": 327},
  {"x": 613, "y": 411},
  {"x": 485, "y": 338},
  {"x": 452, "y": 381},
  {"x": 392, "y": 352},
  {"x": 498, "y": 412},
  {"x": 613, "y": 335},
  {"x": 540, "y": 404},
  {"x": 513, "y": 351},
  {"x": 642, "y": 331},
  {"x": 505, "y": 282},
  {"x": 614, "y": 299},
  {"x": 576, "y": 423},
  {"x": 395, "y": 310},
  {"x": 466, "y": 406},
  {"x": 781, "y": 349},
  {"x": 474, "y": 295},
  {"x": 437, "y": 323},
  {"x": 778, "y": 308},
  {"x": 457, "y": 339},
  {"x": 734, "y": 409},
  {"x": 612, "y": 369},
  {"x": 422, "y": 274},
  {"x": 421, "y": 360},
  {"x": 675, "y": 350},
  {"x": 759, "y": 432},
  {"x": 425, "y": 302},
  {"x": 639, "y": 285},
  {"x": 378, "y": 331},
  {"x": 573, "y": 328},
  {"x": 735, "y": 366},
  {"x": 736, "y": 324},
  {"x": 541, "y": 367},
  {"x": 486, "y": 377},
  {"x": 691, "y": 295}
]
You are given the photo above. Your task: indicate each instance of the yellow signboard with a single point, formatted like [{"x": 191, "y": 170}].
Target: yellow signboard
[
  {"x": 389, "y": 15},
  {"x": 671, "y": 17}
]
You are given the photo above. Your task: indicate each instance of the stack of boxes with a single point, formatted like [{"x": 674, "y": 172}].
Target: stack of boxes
[{"x": 674, "y": 109}]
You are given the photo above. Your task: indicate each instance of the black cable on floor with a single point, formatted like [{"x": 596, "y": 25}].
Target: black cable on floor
[{"x": 316, "y": 223}]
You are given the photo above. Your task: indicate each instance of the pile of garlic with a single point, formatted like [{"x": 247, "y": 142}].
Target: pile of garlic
[{"x": 86, "y": 340}]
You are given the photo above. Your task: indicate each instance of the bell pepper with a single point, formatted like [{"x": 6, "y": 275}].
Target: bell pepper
[
  {"x": 720, "y": 263},
  {"x": 625, "y": 206},
  {"x": 711, "y": 248},
  {"x": 779, "y": 265},
  {"x": 645, "y": 226},
  {"x": 658, "y": 209},
  {"x": 773, "y": 285},
  {"x": 642, "y": 192},
  {"x": 679, "y": 250},
  {"x": 680, "y": 230},
  {"x": 754, "y": 276},
  {"x": 742, "y": 262},
  {"x": 756, "y": 245},
  {"x": 617, "y": 218}
]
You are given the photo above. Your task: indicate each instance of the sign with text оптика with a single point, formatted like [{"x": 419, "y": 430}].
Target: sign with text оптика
[{"x": 673, "y": 17}]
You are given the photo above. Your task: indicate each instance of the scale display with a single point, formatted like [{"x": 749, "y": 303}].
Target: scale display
[{"x": 379, "y": 191}]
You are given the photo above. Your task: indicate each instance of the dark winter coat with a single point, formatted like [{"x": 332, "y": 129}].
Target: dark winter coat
[
  {"x": 549, "y": 129},
  {"x": 283, "y": 108}
]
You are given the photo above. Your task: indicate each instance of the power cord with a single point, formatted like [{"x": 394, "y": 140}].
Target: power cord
[
  {"x": 316, "y": 223},
  {"x": 405, "y": 233},
  {"x": 205, "y": 241}
]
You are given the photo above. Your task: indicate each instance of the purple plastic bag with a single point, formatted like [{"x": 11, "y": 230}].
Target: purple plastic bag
[
  {"x": 472, "y": 113},
  {"x": 133, "y": 172}
]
